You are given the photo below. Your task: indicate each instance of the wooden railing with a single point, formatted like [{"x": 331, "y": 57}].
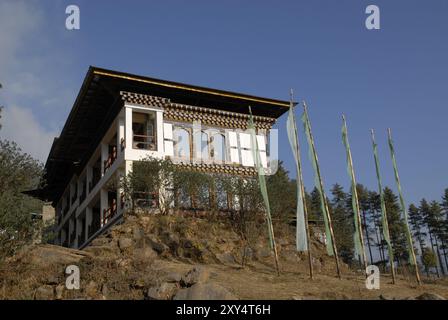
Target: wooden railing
[
  {"x": 109, "y": 213},
  {"x": 110, "y": 160},
  {"x": 144, "y": 142}
]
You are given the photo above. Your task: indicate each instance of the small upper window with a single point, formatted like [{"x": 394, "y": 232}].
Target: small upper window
[{"x": 144, "y": 131}]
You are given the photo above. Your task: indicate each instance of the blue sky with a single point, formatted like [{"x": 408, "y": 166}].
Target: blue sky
[{"x": 393, "y": 77}]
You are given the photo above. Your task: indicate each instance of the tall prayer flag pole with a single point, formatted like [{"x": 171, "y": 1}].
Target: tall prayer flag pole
[
  {"x": 358, "y": 234},
  {"x": 263, "y": 188},
  {"x": 331, "y": 244},
  {"x": 412, "y": 258},
  {"x": 302, "y": 228},
  {"x": 384, "y": 222}
]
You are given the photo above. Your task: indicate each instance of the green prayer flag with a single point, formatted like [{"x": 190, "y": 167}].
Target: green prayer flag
[
  {"x": 384, "y": 222},
  {"x": 318, "y": 180},
  {"x": 261, "y": 178},
  {"x": 359, "y": 250},
  {"x": 402, "y": 203},
  {"x": 291, "y": 127}
]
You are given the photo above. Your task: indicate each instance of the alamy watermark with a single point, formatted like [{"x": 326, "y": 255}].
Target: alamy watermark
[
  {"x": 373, "y": 18},
  {"x": 73, "y": 20},
  {"x": 373, "y": 277},
  {"x": 73, "y": 280}
]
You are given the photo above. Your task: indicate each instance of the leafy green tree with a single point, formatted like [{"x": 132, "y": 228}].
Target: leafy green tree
[
  {"x": 429, "y": 260},
  {"x": 18, "y": 172},
  {"x": 342, "y": 223}
]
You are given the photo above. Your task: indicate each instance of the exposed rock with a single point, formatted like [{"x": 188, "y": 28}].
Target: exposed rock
[
  {"x": 60, "y": 291},
  {"x": 52, "y": 279},
  {"x": 104, "y": 290},
  {"x": 226, "y": 257},
  {"x": 264, "y": 253},
  {"x": 157, "y": 246},
  {"x": 91, "y": 289},
  {"x": 163, "y": 292},
  {"x": 143, "y": 281},
  {"x": 101, "y": 241},
  {"x": 173, "y": 277},
  {"x": 45, "y": 292},
  {"x": 204, "y": 291},
  {"x": 100, "y": 250},
  {"x": 187, "y": 244},
  {"x": 248, "y": 252},
  {"x": 48, "y": 255},
  {"x": 172, "y": 240},
  {"x": 123, "y": 262},
  {"x": 138, "y": 233},
  {"x": 197, "y": 274},
  {"x": 144, "y": 254},
  {"x": 124, "y": 243},
  {"x": 429, "y": 296}
]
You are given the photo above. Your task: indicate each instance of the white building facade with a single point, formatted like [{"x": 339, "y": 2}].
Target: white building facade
[{"x": 85, "y": 189}]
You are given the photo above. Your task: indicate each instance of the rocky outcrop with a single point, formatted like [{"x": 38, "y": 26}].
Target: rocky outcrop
[
  {"x": 429, "y": 296},
  {"x": 197, "y": 274}
]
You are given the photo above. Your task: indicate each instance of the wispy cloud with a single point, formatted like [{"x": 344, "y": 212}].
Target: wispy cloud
[
  {"x": 33, "y": 68},
  {"x": 21, "y": 126}
]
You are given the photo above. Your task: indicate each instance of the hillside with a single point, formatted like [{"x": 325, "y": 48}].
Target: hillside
[{"x": 173, "y": 257}]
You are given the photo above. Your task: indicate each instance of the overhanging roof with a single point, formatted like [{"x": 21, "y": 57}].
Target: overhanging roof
[{"x": 98, "y": 103}]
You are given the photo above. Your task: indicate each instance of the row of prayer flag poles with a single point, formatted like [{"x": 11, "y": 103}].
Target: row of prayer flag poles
[{"x": 303, "y": 242}]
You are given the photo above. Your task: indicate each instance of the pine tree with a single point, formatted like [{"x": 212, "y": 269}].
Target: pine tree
[
  {"x": 314, "y": 209},
  {"x": 342, "y": 223},
  {"x": 417, "y": 223},
  {"x": 425, "y": 211},
  {"x": 1, "y": 108},
  {"x": 364, "y": 205},
  {"x": 436, "y": 225},
  {"x": 397, "y": 228},
  {"x": 445, "y": 203},
  {"x": 375, "y": 213},
  {"x": 444, "y": 239}
]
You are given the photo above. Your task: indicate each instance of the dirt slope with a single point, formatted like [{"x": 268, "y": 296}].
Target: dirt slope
[{"x": 152, "y": 257}]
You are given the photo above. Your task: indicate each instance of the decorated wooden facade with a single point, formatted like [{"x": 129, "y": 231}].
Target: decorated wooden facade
[{"x": 119, "y": 118}]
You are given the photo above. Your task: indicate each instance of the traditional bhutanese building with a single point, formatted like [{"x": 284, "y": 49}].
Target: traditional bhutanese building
[{"x": 120, "y": 118}]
